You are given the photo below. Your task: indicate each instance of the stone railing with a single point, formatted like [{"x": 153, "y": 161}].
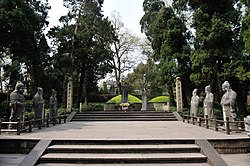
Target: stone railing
[
  {"x": 218, "y": 125},
  {"x": 27, "y": 126}
]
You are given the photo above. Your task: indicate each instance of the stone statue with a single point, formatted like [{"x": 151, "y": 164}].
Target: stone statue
[
  {"x": 228, "y": 101},
  {"x": 247, "y": 123},
  {"x": 208, "y": 103},
  {"x": 53, "y": 105},
  {"x": 17, "y": 103},
  {"x": 194, "y": 103},
  {"x": 39, "y": 104}
]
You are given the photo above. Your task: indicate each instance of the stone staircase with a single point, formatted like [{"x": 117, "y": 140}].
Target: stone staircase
[
  {"x": 124, "y": 116},
  {"x": 123, "y": 152}
]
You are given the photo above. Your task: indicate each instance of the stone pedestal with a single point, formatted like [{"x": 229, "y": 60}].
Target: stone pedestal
[{"x": 178, "y": 95}]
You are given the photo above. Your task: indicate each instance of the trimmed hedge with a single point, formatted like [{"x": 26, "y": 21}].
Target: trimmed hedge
[
  {"x": 159, "y": 99},
  {"x": 118, "y": 99}
]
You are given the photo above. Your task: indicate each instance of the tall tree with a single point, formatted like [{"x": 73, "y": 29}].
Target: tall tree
[
  {"x": 21, "y": 30},
  {"x": 246, "y": 26},
  {"x": 218, "y": 46},
  {"x": 84, "y": 43},
  {"x": 168, "y": 34},
  {"x": 125, "y": 44}
]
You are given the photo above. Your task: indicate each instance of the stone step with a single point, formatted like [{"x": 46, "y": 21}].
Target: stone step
[
  {"x": 124, "y": 116},
  {"x": 99, "y": 158},
  {"x": 125, "y": 112},
  {"x": 159, "y": 148},
  {"x": 123, "y": 151},
  {"x": 145, "y": 164},
  {"x": 119, "y": 114},
  {"x": 125, "y": 142},
  {"x": 125, "y": 119}
]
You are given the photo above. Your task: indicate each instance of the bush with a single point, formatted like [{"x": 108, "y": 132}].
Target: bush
[
  {"x": 62, "y": 111},
  {"x": 118, "y": 99},
  {"x": 159, "y": 99},
  {"x": 29, "y": 107},
  {"x": 96, "y": 106},
  {"x": 31, "y": 115},
  {"x": 218, "y": 114}
]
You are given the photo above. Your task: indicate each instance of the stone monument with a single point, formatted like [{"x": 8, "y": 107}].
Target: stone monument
[
  {"x": 178, "y": 94},
  {"x": 124, "y": 105},
  {"x": 124, "y": 89},
  {"x": 17, "y": 103},
  {"x": 69, "y": 95},
  {"x": 228, "y": 101},
  {"x": 208, "y": 103},
  {"x": 39, "y": 104},
  {"x": 194, "y": 103},
  {"x": 144, "y": 100}
]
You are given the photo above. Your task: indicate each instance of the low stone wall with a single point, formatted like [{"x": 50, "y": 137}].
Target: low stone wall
[
  {"x": 109, "y": 107},
  {"x": 14, "y": 146},
  {"x": 222, "y": 146},
  {"x": 231, "y": 146}
]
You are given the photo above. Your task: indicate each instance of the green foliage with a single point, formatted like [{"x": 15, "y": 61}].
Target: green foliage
[
  {"x": 30, "y": 115},
  {"x": 62, "y": 111},
  {"x": 159, "y": 99},
  {"x": 83, "y": 45},
  {"x": 22, "y": 39},
  {"x": 144, "y": 77},
  {"x": 216, "y": 40},
  {"x": 118, "y": 99},
  {"x": 29, "y": 107},
  {"x": 167, "y": 32},
  {"x": 95, "y": 106}
]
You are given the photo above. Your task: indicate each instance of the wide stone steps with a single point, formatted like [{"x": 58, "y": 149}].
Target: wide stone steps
[
  {"x": 153, "y": 164},
  {"x": 124, "y": 158},
  {"x": 131, "y": 152},
  {"x": 124, "y": 116},
  {"x": 161, "y": 148}
]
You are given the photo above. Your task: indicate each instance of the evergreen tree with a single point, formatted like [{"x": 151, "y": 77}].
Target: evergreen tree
[
  {"x": 21, "y": 32},
  {"x": 168, "y": 34},
  {"x": 218, "y": 46},
  {"x": 84, "y": 43}
]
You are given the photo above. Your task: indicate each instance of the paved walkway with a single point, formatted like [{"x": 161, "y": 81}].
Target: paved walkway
[
  {"x": 126, "y": 130},
  {"x": 134, "y": 130}
]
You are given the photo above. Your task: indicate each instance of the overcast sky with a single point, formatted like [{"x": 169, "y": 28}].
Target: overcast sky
[{"x": 131, "y": 12}]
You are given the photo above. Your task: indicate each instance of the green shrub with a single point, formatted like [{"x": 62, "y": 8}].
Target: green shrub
[
  {"x": 62, "y": 111},
  {"x": 218, "y": 114},
  {"x": 159, "y": 99},
  {"x": 31, "y": 115},
  {"x": 29, "y": 107},
  {"x": 96, "y": 106},
  {"x": 118, "y": 99}
]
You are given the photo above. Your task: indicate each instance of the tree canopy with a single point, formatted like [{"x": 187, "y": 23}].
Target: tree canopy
[
  {"x": 83, "y": 42},
  {"x": 202, "y": 42}
]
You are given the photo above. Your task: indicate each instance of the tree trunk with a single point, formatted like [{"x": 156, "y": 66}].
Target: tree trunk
[
  {"x": 85, "y": 92},
  {"x": 80, "y": 90}
]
